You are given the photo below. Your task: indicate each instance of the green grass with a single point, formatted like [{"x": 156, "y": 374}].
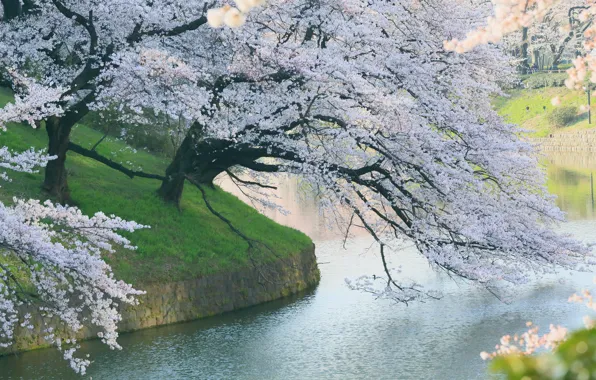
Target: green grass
[
  {"x": 535, "y": 119},
  {"x": 181, "y": 244}
]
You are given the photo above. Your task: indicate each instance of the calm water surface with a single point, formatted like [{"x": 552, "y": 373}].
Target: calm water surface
[{"x": 335, "y": 333}]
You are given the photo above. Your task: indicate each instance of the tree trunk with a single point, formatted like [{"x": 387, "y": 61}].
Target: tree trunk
[
  {"x": 525, "y": 63},
  {"x": 12, "y": 9},
  {"x": 172, "y": 187},
  {"x": 55, "y": 181},
  {"x": 190, "y": 160},
  {"x": 556, "y": 61}
]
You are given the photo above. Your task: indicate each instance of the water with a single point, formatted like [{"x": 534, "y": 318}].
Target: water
[{"x": 335, "y": 333}]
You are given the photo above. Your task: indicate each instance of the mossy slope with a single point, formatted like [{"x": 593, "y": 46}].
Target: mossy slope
[
  {"x": 529, "y": 108},
  {"x": 180, "y": 244}
]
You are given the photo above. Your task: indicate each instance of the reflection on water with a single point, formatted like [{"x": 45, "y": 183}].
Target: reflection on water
[
  {"x": 303, "y": 211},
  {"x": 332, "y": 333},
  {"x": 571, "y": 178},
  {"x": 301, "y": 208},
  {"x": 335, "y": 333}
]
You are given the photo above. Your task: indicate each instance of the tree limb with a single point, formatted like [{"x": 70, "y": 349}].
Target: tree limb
[
  {"x": 114, "y": 165},
  {"x": 137, "y": 34}
]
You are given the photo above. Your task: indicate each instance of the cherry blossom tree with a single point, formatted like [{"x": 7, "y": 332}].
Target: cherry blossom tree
[
  {"x": 72, "y": 43},
  {"x": 562, "y": 29},
  {"x": 573, "y": 355},
  {"x": 559, "y": 35},
  {"x": 511, "y": 16},
  {"x": 364, "y": 103},
  {"x": 50, "y": 255},
  {"x": 362, "y": 100}
]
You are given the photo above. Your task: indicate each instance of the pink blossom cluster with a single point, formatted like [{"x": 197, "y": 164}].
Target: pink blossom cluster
[
  {"x": 34, "y": 102},
  {"x": 528, "y": 342}
]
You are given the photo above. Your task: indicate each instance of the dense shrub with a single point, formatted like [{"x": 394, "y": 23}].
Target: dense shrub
[
  {"x": 565, "y": 66},
  {"x": 540, "y": 80},
  {"x": 562, "y": 116}
]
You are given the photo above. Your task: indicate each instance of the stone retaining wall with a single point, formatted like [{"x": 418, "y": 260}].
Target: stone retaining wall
[
  {"x": 576, "y": 141},
  {"x": 193, "y": 299}
]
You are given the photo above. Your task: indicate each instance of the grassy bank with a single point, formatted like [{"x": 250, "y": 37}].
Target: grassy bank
[
  {"x": 180, "y": 244},
  {"x": 530, "y": 109}
]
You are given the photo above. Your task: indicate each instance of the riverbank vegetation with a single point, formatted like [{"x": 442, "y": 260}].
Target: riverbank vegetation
[
  {"x": 572, "y": 355},
  {"x": 533, "y": 110},
  {"x": 181, "y": 243}
]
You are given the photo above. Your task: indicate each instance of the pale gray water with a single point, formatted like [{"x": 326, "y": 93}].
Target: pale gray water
[{"x": 335, "y": 333}]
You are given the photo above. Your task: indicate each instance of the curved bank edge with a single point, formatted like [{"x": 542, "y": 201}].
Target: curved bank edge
[{"x": 189, "y": 300}]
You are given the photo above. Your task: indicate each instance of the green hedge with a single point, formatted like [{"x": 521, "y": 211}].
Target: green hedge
[{"x": 541, "y": 80}]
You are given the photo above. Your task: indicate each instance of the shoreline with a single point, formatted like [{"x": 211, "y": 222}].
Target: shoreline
[
  {"x": 188, "y": 300},
  {"x": 572, "y": 141}
]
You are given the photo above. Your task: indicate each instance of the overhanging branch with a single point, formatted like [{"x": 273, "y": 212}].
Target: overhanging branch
[
  {"x": 114, "y": 165},
  {"x": 251, "y": 242}
]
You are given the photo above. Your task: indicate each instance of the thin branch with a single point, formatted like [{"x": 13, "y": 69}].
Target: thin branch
[
  {"x": 251, "y": 242},
  {"x": 101, "y": 139},
  {"x": 232, "y": 175},
  {"x": 348, "y": 230}
]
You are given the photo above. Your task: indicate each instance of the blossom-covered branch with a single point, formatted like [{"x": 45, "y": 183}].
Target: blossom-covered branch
[{"x": 51, "y": 255}]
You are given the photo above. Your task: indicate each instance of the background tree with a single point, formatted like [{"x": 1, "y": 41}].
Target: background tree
[
  {"x": 545, "y": 44},
  {"x": 562, "y": 29},
  {"x": 511, "y": 16},
  {"x": 11, "y": 9}
]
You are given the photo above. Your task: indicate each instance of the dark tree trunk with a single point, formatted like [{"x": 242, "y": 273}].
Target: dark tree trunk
[
  {"x": 525, "y": 63},
  {"x": 556, "y": 62},
  {"x": 191, "y": 159},
  {"x": 202, "y": 160},
  {"x": 194, "y": 165},
  {"x": 172, "y": 187},
  {"x": 55, "y": 181},
  {"x": 58, "y": 129},
  {"x": 12, "y": 9}
]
